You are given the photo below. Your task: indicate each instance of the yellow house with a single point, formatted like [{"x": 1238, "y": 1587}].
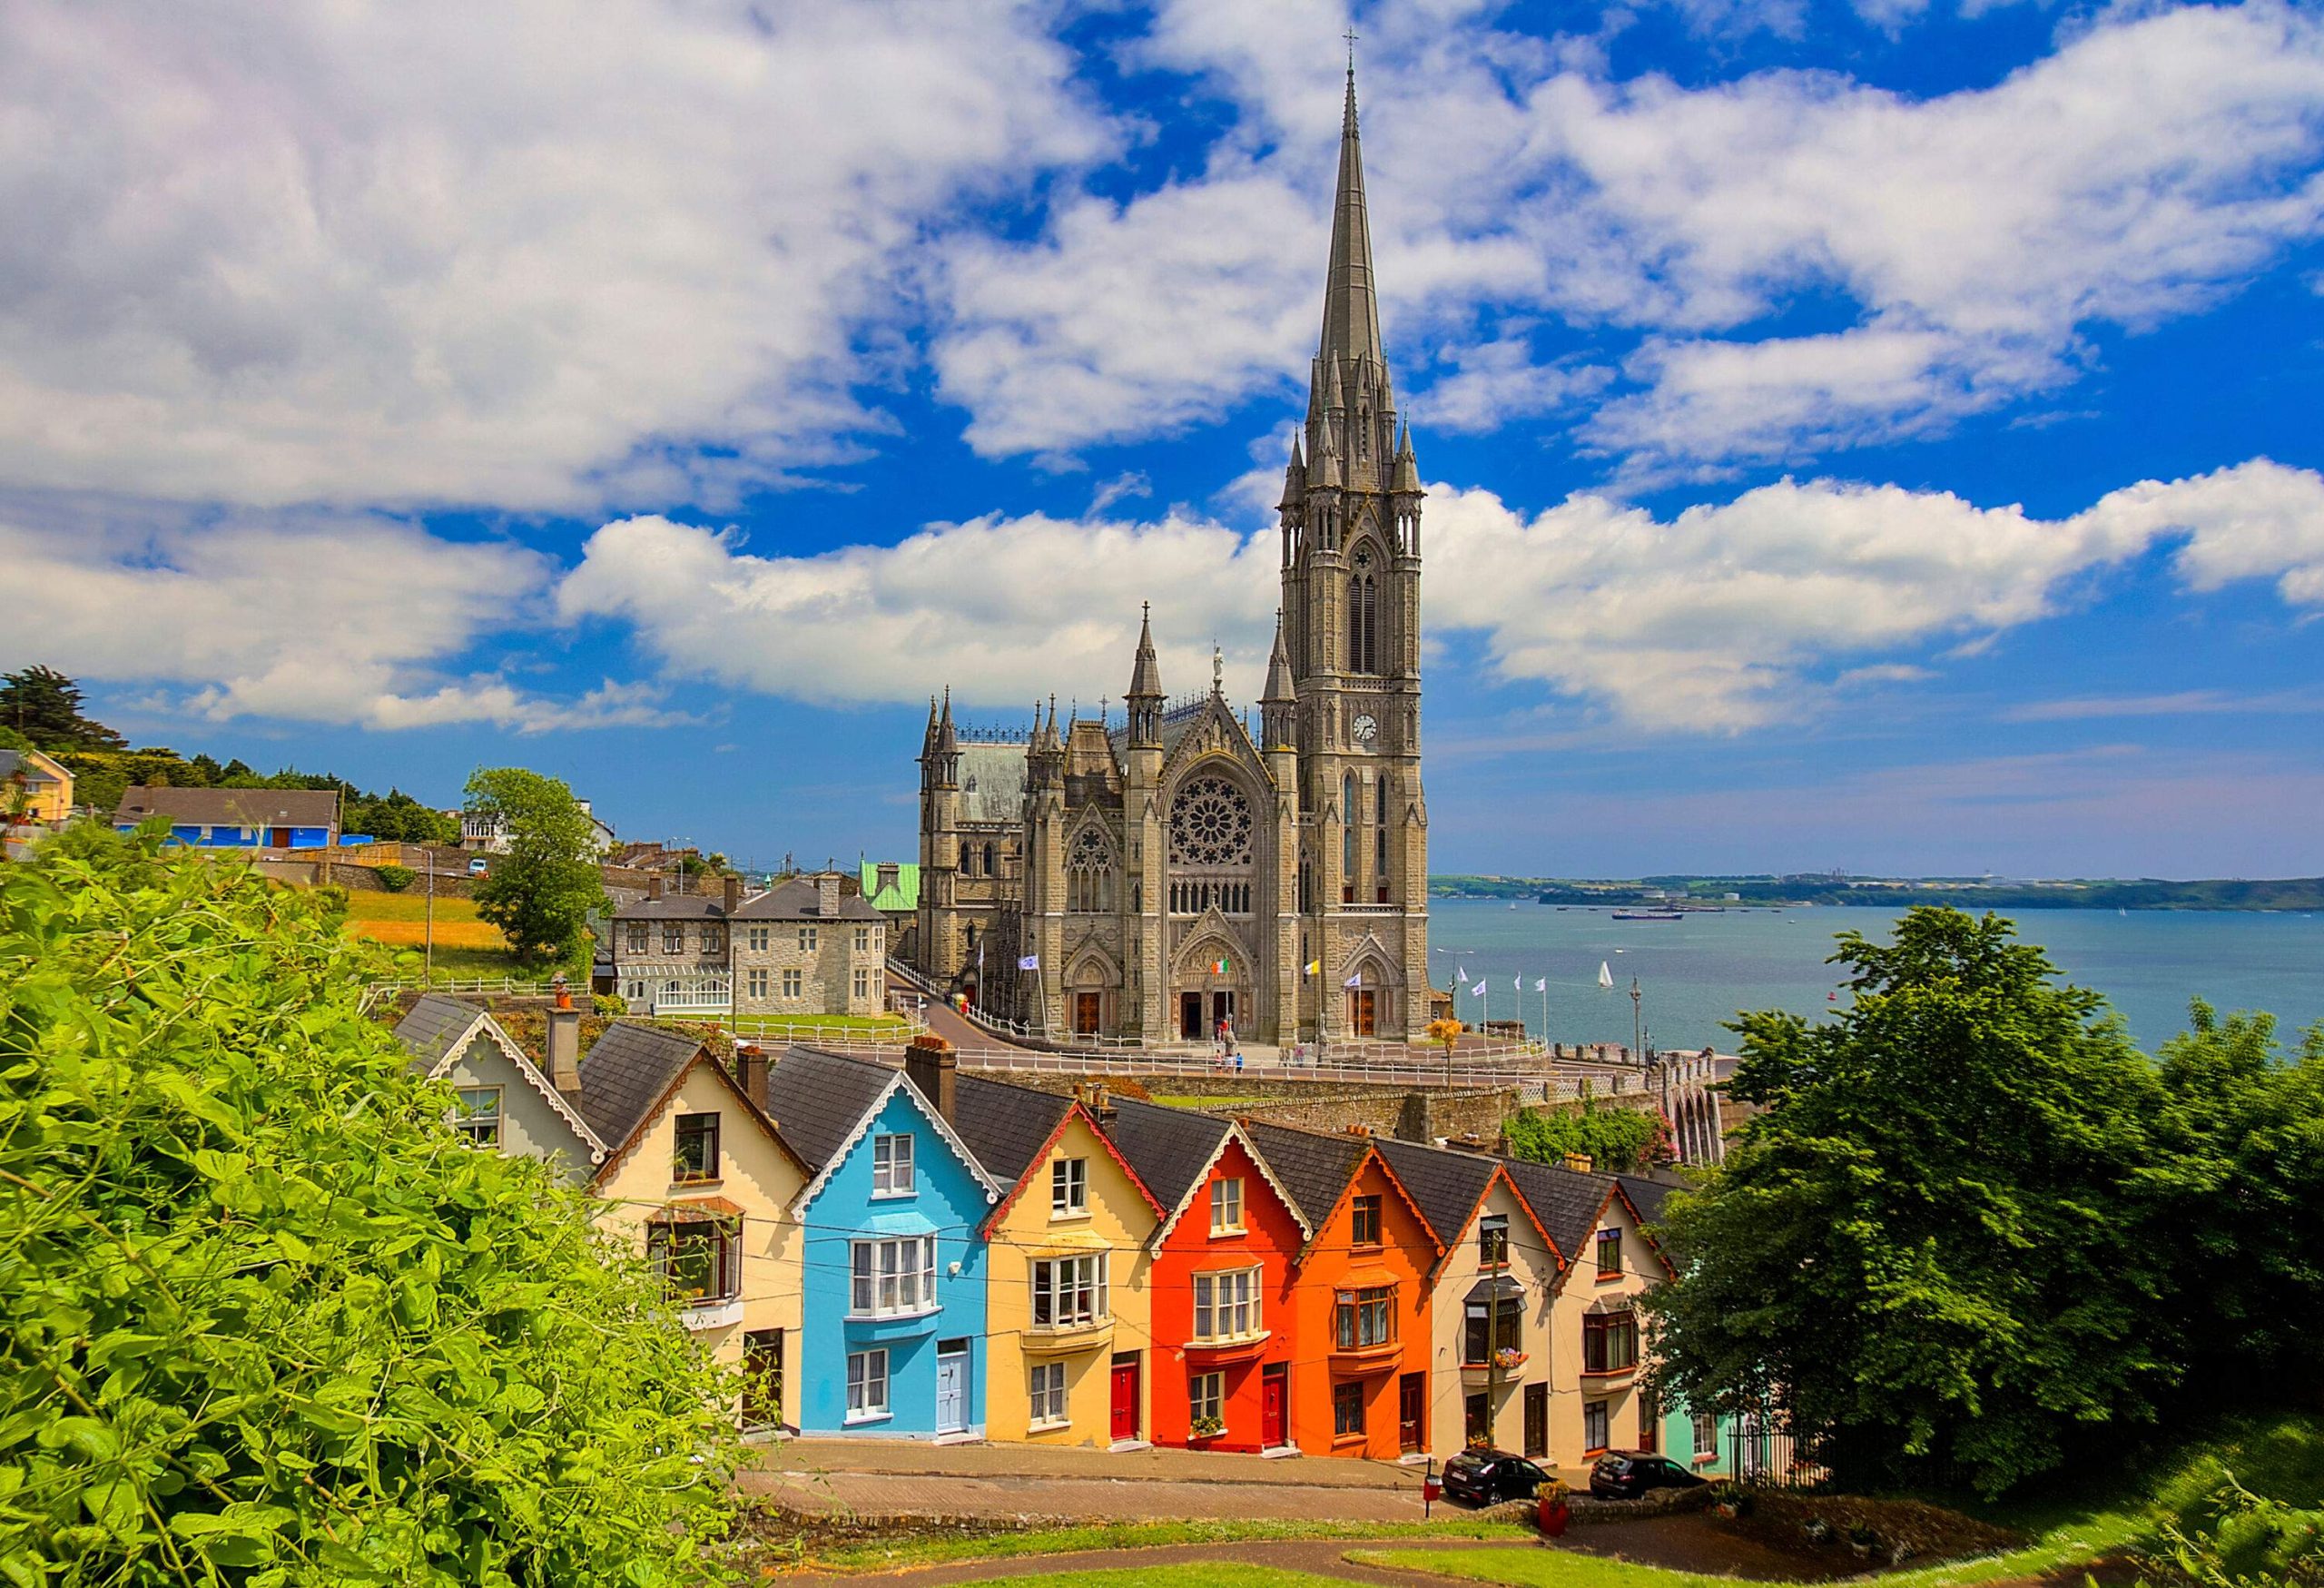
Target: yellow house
[
  {"x": 698, "y": 1174},
  {"x": 1067, "y": 1306},
  {"x": 48, "y": 788},
  {"x": 1595, "y": 1340}
]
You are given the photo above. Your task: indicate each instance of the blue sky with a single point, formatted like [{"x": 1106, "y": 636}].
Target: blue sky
[{"x": 1879, "y": 435}]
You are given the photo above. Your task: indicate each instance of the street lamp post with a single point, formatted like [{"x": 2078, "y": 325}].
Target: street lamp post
[{"x": 1637, "y": 1024}]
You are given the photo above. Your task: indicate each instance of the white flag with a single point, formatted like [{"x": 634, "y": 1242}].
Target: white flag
[
  {"x": 1030, "y": 962},
  {"x": 1541, "y": 983},
  {"x": 1354, "y": 980},
  {"x": 1463, "y": 972},
  {"x": 1518, "y": 982},
  {"x": 1478, "y": 987}
]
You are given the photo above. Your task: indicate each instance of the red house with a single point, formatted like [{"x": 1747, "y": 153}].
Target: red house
[{"x": 1220, "y": 1282}]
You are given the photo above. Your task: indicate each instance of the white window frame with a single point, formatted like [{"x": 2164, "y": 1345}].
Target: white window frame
[
  {"x": 794, "y": 984},
  {"x": 1603, "y": 1413},
  {"x": 1227, "y": 1206},
  {"x": 1069, "y": 1188},
  {"x": 480, "y": 1129},
  {"x": 1704, "y": 1433},
  {"x": 639, "y": 938},
  {"x": 867, "y": 1385},
  {"x": 892, "y": 1276},
  {"x": 1234, "y": 1299},
  {"x": 1045, "y": 1388},
  {"x": 891, "y": 1166},
  {"x": 1207, "y": 1397},
  {"x": 1072, "y": 1291}
]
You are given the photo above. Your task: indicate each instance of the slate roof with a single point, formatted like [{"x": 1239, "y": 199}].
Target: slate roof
[
  {"x": 1447, "y": 1185},
  {"x": 1005, "y": 1125},
  {"x": 993, "y": 783},
  {"x": 431, "y": 1028},
  {"x": 232, "y": 807},
  {"x": 1314, "y": 1167},
  {"x": 1565, "y": 1200},
  {"x": 12, "y": 761},
  {"x": 625, "y": 1073},
  {"x": 1647, "y": 1195},
  {"x": 800, "y": 899},
  {"x": 1167, "y": 1147},
  {"x": 675, "y": 907},
  {"x": 818, "y": 1100}
]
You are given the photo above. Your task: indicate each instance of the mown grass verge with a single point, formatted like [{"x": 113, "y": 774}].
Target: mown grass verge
[{"x": 941, "y": 1549}]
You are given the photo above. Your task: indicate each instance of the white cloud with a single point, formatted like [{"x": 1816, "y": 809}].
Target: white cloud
[
  {"x": 1726, "y": 617},
  {"x": 1495, "y": 382},
  {"x": 1003, "y": 610},
  {"x": 346, "y": 618},
  {"x": 1967, "y": 242},
  {"x": 528, "y": 253},
  {"x": 2180, "y": 702}
]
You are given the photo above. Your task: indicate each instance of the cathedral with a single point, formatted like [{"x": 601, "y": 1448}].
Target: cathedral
[{"x": 1156, "y": 877}]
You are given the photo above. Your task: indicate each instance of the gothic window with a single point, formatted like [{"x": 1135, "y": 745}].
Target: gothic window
[
  {"x": 1362, "y": 615},
  {"x": 987, "y": 861},
  {"x": 1089, "y": 873},
  {"x": 1210, "y": 824}
]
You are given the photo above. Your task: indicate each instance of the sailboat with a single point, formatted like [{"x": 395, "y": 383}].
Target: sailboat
[{"x": 1605, "y": 975}]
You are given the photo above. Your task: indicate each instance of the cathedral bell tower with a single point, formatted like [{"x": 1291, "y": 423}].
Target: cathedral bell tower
[{"x": 1351, "y": 513}]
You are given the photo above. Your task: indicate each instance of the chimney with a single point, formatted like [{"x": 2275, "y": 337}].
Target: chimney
[
  {"x": 751, "y": 1070},
  {"x": 565, "y": 1045},
  {"x": 1101, "y": 1103},
  {"x": 734, "y": 896},
  {"x": 827, "y": 895},
  {"x": 1580, "y": 1163},
  {"x": 654, "y": 886},
  {"x": 930, "y": 1065}
]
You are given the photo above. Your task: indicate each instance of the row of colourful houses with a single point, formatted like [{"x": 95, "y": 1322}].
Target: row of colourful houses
[{"x": 921, "y": 1253}]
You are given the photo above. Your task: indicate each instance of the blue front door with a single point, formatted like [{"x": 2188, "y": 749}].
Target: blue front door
[{"x": 952, "y": 1386}]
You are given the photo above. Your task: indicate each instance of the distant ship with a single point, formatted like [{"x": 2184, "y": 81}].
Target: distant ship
[{"x": 1646, "y": 914}]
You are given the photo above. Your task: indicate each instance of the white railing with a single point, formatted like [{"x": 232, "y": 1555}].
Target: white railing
[
  {"x": 462, "y": 987},
  {"x": 680, "y": 1000}
]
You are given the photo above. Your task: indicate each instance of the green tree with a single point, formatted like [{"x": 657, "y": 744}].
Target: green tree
[
  {"x": 396, "y": 816},
  {"x": 269, "y": 1321},
  {"x": 541, "y": 892},
  {"x": 1933, "y": 1246},
  {"x": 45, "y": 705}
]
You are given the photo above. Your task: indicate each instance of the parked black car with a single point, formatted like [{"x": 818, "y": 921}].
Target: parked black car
[
  {"x": 1486, "y": 1477},
  {"x": 1626, "y": 1474}
]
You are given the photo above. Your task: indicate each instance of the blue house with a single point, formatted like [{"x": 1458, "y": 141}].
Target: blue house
[
  {"x": 891, "y": 1332},
  {"x": 235, "y": 818}
]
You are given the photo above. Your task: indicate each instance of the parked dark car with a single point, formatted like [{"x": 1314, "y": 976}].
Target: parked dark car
[
  {"x": 1486, "y": 1477},
  {"x": 1626, "y": 1474}
]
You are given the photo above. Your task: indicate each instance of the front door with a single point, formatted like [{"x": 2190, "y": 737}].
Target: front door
[
  {"x": 1222, "y": 1010},
  {"x": 1476, "y": 1417},
  {"x": 1190, "y": 1017},
  {"x": 952, "y": 1387},
  {"x": 1411, "y": 1396},
  {"x": 1363, "y": 1012},
  {"x": 1537, "y": 1420},
  {"x": 1125, "y": 1425},
  {"x": 1273, "y": 1386},
  {"x": 1085, "y": 1014},
  {"x": 762, "y": 1379}
]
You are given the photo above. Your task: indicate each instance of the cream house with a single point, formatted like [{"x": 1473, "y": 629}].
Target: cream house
[{"x": 1492, "y": 1298}]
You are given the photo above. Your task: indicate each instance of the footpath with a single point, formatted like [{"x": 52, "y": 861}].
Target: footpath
[{"x": 870, "y": 1479}]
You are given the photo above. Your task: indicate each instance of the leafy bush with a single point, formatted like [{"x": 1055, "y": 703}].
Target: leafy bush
[
  {"x": 1615, "y": 1139},
  {"x": 270, "y": 1322},
  {"x": 609, "y": 1005},
  {"x": 394, "y": 879}
]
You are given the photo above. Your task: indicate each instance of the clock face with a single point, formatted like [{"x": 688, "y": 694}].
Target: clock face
[{"x": 1366, "y": 731}]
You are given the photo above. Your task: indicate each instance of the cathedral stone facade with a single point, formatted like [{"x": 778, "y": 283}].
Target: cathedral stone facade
[{"x": 1154, "y": 877}]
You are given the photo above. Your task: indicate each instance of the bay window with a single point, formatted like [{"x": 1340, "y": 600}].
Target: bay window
[
  {"x": 1070, "y": 1292},
  {"x": 699, "y": 1258},
  {"x": 893, "y": 1278},
  {"x": 1609, "y": 1342},
  {"x": 1227, "y": 1305},
  {"x": 1364, "y": 1318}
]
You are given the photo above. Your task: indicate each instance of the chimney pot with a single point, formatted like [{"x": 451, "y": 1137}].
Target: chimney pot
[
  {"x": 734, "y": 896},
  {"x": 565, "y": 1048},
  {"x": 934, "y": 1069},
  {"x": 1580, "y": 1162}
]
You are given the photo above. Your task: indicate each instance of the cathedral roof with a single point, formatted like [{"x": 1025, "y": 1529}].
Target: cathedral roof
[{"x": 993, "y": 783}]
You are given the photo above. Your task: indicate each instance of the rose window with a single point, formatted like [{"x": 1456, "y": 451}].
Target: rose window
[{"x": 1210, "y": 824}]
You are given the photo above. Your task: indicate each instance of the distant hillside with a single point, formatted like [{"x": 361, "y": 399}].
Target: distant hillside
[{"x": 1886, "y": 893}]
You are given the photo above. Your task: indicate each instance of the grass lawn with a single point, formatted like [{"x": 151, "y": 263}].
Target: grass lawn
[
  {"x": 932, "y": 1552},
  {"x": 370, "y": 904},
  {"x": 822, "y": 1022}
]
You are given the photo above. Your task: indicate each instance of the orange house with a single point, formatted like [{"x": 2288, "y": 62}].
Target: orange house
[
  {"x": 1359, "y": 1314},
  {"x": 1221, "y": 1280}
]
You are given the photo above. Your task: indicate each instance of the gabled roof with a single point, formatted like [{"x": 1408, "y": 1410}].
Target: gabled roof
[
  {"x": 627, "y": 1073},
  {"x": 800, "y": 899},
  {"x": 675, "y": 907},
  {"x": 825, "y": 1103},
  {"x": 1647, "y": 1197},
  {"x": 1011, "y": 1128},
  {"x": 35, "y": 766},
  {"x": 438, "y": 1030},
  {"x": 1322, "y": 1170},
  {"x": 993, "y": 783},
  {"x": 230, "y": 807},
  {"x": 1450, "y": 1185},
  {"x": 1006, "y": 1126},
  {"x": 1173, "y": 1150},
  {"x": 903, "y": 894},
  {"x": 1567, "y": 1201}
]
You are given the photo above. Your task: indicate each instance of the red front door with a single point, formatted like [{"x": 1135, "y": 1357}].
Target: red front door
[
  {"x": 1272, "y": 1383},
  {"x": 1124, "y": 1397}
]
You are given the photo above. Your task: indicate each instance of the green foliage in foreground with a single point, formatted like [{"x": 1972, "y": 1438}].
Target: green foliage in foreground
[
  {"x": 269, "y": 1323},
  {"x": 2250, "y": 1511},
  {"x": 1976, "y": 1236}
]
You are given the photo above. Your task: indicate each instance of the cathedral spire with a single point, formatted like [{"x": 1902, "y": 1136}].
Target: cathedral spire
[
  {"x": 1279, "y": 690},
  {"x": 1145, "y": 674},
  {"x": 1351, "y": 310}
]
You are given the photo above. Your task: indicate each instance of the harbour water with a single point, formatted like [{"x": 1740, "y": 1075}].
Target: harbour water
[{"x": 1696, "y": 973}]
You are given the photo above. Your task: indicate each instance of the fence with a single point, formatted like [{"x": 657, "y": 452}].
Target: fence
[{"x": 1762, "y": 1450}]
